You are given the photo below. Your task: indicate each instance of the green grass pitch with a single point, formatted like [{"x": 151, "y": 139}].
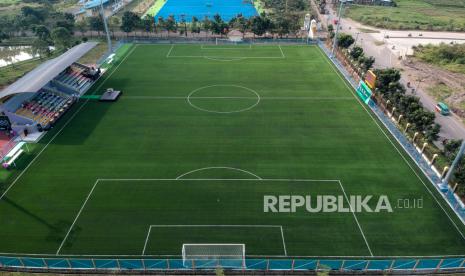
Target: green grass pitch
[{"x": 198, "y": 138}]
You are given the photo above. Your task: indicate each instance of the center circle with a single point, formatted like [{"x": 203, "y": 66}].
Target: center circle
[{"x": 223, "y": 98}]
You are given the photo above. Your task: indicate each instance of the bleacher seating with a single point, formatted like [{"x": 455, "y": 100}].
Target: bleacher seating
[
  {"x": 74, "y": 79},
  {"x": 52, "y": 100},
  {"x": 46, "y": 107}
]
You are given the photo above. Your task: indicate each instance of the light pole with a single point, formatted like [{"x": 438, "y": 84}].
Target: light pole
[
  {"x": 105, "y": 26},
  {"x": 454, "y": 164},
  {"x": 341, "y": 3}
]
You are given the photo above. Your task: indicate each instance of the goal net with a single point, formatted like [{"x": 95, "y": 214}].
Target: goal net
[
  {"x": 228, "y": 41},
  {"x": 213, "y": 255}
]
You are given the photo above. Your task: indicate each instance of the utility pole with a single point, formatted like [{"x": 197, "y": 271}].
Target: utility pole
[
  {"x": 341, "y": 3},
  {"x": 454, "y": 164},
  {"x": 106, "y": 27}
]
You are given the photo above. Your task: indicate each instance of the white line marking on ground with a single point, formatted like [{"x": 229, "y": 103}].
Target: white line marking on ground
[
  {"x": 218, "y": 168},
  {"x": 218, "y": 179},
  {"x": 282, "y": 53},
  {"x": 232, "y": 97},
  {"x": 180, "y": 179},
  {"x": 169, "y": 52},
  {"x": 355, "y": 217},
  {"x": 257, "y": 98},
  {"x": 278, "y": 256},
  {"x": 392, "y": 143},
  {"x": 63, "y": 127},
  {"x": 219, "y": 47},
  {"x": 77, "y": 216},
  {"x": 284, "y": 242},
  {"x": 214, "y": 225},
  {"x": 146, "y": 240}
]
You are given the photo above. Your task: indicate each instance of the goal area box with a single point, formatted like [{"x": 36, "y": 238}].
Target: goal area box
[{"x": 213, "y": 255}]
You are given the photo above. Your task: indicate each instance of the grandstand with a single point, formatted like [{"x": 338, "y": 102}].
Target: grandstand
[{"x": 37, "y": 100}]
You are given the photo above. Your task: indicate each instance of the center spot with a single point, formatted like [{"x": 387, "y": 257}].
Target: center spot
[{"x": 223, "y": 98}]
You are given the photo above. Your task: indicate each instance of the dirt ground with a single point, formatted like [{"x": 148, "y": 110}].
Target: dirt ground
[{"x": 443, "y": 85}]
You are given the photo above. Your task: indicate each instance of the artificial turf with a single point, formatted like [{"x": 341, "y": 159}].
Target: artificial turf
[{"x": 246, "y": 113}]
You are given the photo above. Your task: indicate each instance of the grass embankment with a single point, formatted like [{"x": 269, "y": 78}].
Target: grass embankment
[
  {"x": 11, "y": 73},
  {"x": 449, "y": 57},
  {"x": 95, "y": 54},
  {"x": 434, "y": 15}
]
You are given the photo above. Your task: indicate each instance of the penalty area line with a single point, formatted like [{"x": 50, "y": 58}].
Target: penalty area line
[
  {"x": 355, "y": 217},
  {"x": 76, "y": 218}
]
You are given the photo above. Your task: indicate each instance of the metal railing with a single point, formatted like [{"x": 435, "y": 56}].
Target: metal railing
[{"x": 353, "y": 265}]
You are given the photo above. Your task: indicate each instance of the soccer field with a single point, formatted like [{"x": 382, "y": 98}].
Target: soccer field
[{"x": 200, "y": 135}]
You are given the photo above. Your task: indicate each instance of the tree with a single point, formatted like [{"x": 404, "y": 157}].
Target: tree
[
  {"x": 161, "y": 23},
  {"x": 240, "y": 22},
  {"x": 61, "y": 38},
  {"x": 82, "y": 26},
  {"x": 195, "y": 28},
  {"x": 147, "y": 22},
  {"x": 207, "y": 25},
  {"x": 171, "y": 25},
  {"x": 451, "y": 148},
  {"x": 130, "y": 22},
  {"x": 114, "y": 23},
  {"x": 367, "y": 63},
  {"x": 42, "y": 33},
  {"x": 260, "y": 25},
  {"x": 282, "y": 26},
  {"x": 386, "y": 78},
  {"x": 184, "y": 25},
  {"x": 66, "y": 22},
  {"x": 3, "y": 35},
  {"x": 356, "y": 52},
  {"x": 345, "y": 40},
  {"x": 218, "y": 26},
  {"x": 432, "y": 133},
  {"x": 40, "y": 47},
  {"x": 96, "y": 24}
]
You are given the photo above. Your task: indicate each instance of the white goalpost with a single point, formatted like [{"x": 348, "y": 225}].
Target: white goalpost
[
  {"x": 226, "y": 41},
  {"x": 213, "y": 255}
]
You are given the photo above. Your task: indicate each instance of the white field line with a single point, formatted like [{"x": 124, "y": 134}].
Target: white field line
[
  {"x": 169, "y": 52},
  {"x": 77, "y": 216},
  {"x": 233, "y": 97},
  {"x": 146, "y": 240},
  {"x": 218, "y": 47},
  {"x": 63, "y": 127},
  {"x": 176, "y": 179},
  {"x": 213, "y": 226},
  {"x": 279, "y": 256},
  {"x": 392, "y": 143},
  {"x": 224, "y": 57},
  {"x": 355, "y": 217},
  {"x": 217, "y": 179},
  {"x": 218, "y": 168},
  {"x": 284, "y": 242},
  {"x": 281, "y": 49}
]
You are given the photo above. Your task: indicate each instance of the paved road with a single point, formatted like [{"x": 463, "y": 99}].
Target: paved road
[{"x": 386, "y": 46}]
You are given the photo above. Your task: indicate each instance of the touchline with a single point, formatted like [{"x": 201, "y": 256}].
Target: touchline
[{"x": 325, "y": 204}]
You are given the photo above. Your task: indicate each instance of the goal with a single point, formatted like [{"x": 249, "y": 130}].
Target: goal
[
  {"x": 228, "y": 41},
  {"x": 213, "y": 255}
]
